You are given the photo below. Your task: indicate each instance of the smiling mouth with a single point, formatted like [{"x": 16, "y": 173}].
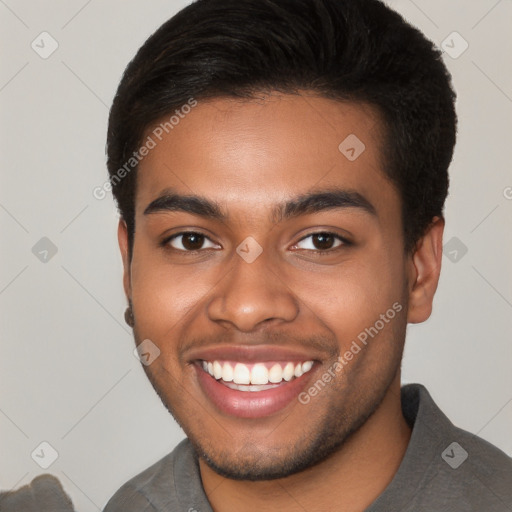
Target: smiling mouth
[
  {"x": 252, "y": 381},
  {"x": 255, "y": 377}
]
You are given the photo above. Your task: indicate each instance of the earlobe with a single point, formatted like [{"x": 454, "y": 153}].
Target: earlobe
[
  {"x": 122, "y": 237},
  {"x": 424, "y": 271}
]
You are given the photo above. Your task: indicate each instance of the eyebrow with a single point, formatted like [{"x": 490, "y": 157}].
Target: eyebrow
[{"x": 312, "y": 202}]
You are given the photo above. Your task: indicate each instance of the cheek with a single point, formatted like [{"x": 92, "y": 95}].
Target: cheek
[
  {"x": 352, "y": 297},
  {"x": 165, "y": 296}
]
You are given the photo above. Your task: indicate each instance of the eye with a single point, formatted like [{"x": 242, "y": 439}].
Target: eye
[
  {"x": 190, "y": 241},
  {"x": 322, "y": 241}
]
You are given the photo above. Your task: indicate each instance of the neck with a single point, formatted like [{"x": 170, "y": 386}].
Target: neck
[{"x": 350, "y": 479}]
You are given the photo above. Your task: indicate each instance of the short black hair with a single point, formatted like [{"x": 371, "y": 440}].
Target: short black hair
[{"x": 347, "y": 50}]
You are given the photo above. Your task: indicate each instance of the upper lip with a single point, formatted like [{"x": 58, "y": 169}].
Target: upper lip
[{"x": 249, "y": 353}]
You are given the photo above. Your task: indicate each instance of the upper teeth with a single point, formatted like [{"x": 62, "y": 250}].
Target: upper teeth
[{"x": 258, "y": 373}]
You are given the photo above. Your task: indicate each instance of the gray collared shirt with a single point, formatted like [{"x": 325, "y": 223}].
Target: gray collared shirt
[{"x": 444, "y": 469}]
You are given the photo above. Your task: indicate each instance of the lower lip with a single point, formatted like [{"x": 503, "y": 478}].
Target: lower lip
[{"x": 250, "y": 404}]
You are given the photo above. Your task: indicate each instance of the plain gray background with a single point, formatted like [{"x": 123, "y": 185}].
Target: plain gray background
[{"x": 68, "y": 375}]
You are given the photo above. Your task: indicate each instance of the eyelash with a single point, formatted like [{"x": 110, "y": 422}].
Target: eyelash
[
  {"x": 344, "y": 242},
  {"x": 166, "y": 243}
]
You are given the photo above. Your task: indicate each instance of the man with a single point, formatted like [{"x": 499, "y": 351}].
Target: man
[{"x": 280, "y": 167}]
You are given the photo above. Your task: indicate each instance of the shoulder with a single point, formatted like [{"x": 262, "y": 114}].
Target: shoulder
[
  {"x": 460, "y": 469},
  {"x": 154, "y": 489},
  {"x": 460, "y": 446},
  {"x": 467, "y": 473},
  {"x": 482, "y": 471}
]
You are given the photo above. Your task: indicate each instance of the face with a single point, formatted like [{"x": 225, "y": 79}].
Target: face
[{"x": 262, "y": 256}]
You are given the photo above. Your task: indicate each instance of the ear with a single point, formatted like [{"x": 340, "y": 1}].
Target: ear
[
  {"x": 122, "y": 237},
  {"x": 423, "y": 273}
]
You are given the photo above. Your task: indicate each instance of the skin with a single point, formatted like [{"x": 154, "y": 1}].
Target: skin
[{"x": 342, "y": 449}]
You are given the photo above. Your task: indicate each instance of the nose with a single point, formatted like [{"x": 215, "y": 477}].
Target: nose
[{"x": 250, "y": 295}]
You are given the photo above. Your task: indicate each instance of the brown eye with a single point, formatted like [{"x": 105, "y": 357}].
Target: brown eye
[
  {"x": 190, "y": 241},
  {"x": 321, "y": 241}
]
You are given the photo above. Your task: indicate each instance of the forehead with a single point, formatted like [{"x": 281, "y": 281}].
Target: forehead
[{"x": 248, "y": 154}]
